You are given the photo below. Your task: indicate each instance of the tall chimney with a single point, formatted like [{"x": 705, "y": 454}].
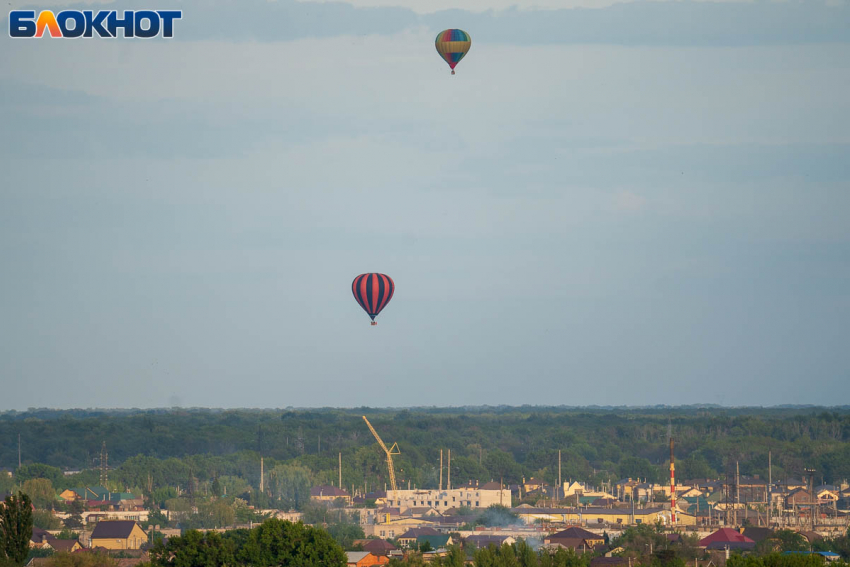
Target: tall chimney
[
  {"x": 672, "y": 486},
  {"x": 262, "y": 477},
  {"x": 449, "y": 474},
  {"x": 441, "y": 469}
]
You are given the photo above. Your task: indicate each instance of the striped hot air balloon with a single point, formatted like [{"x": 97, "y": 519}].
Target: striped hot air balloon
[
  {"x": 452, "y": 45},
  {"x": 373, "y": 292}
]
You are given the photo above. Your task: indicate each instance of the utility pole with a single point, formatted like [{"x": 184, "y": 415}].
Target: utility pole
[
  {"x": 737, "y": 491},
  {"x": 769, "y": 490},
  {"x": 19, "y": 450},
  {"x": 340, "y": 473},
  {"x": 560, "y": 486}
]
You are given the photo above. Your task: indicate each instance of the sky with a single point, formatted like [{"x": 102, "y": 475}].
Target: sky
[{"x": 611, "y": 203}]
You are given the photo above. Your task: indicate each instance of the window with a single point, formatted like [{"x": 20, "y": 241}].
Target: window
[
  {"x": 600, "y": 521},
  {"x": 476, "y": 502},
  {"x": 638, "y": 521}
]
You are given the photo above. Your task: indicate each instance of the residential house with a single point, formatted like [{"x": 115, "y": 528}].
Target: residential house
[
  {"x": 378, "y": 547},
  {"x": 434, "y": 541},
  {"x": 118, "y": 534},
  {"x": 409, "y": 537},
  {"x": 575, "y": 537},
  {"x": 533, "y": 485},
  {"x": 484, "y": 540},
  {"x": 727, "y": 538},
  {"x": 327, "y": 493},
  {"x": 799, "y": 497},
  {"x": 365, "y": 559},
  {"x": 396, "y": 528},
  {"x": 531, "y": 514}
]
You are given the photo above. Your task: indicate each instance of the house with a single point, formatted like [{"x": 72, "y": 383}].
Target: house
[
  {"x": 327, "y": 493},
  {"x": 531, "y": 514},
  {"x": 574, "y": 537},
  {"x": 378, "y": 546},
  {"x": 409, "y": 537},
  {"x": 66, "y": 545},
  {"x": 625, "y": 487},
  {"x": 483, "y": 541},
  {"x": 396, "y": 528},
  {"x": 533, "y": 485},
  {"x": 365, "y": 559},
  {"x": 610, "y": 562},
  {"x": 829, "y": 556},
  {"x": 799, "y": 497},
  {"x": 41, "y": 539},
  {"x": 727, "y": 538},
  {"x": 434, "y": 541},
  {"x": 757, "y": 534},
  {"x": 118, "y": 534}
]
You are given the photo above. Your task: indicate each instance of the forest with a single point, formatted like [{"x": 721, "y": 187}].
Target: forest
[{"x": 167, "y": 453}]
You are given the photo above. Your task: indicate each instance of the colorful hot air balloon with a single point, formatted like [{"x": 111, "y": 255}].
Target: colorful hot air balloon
[
  {"x": 373, "y": 292},
  {"x": 452, "y": 45}
]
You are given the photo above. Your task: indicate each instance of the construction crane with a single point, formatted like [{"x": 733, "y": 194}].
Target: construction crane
[{"x": 390, "y": 452}]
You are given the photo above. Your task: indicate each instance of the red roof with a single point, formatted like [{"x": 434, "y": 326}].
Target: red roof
[{"x": 725, "y": 535}]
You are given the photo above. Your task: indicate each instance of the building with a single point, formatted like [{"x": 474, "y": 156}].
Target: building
[
  {"x": 531, "y": 515},
  {"x": 574, "y": 538},
  {"x": 327, "y": 493},
  {"x": 365, "y": 559},
  {"x": 442, "y": 500},
  {"x": 396, "y": 528},
  {"x": 121, "y": 534},
  {"x": 483, "y": 541},
  {"x": 377, "y": 546},
  {"x": 727, "y": 538},
  {"x": 410, "y": 536},
  {"x": 434, "y": 541}
]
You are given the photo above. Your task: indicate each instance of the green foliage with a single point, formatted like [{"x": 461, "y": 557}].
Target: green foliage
[
  {"x": 194, "y": 549},
  {"x": 277, "y": 542},
  {"x": 15, "y": 529},
  {"x": 425, "y": 546},
  {"x": 67, "y": 534},
  {"x": 775, "y": 560},
  {"x": 40, "y": 491},
  {"x": 216, "y": 453},
  {"x": 344, "y": 533},
  {"x": 81, "y": 560},
  {"x": 45, "y": 520},
  {"x": 38, "y": 470}
]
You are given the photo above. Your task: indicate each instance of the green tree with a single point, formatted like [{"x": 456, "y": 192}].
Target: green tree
[
  {"x": 15, "y": 529},
  {"x": 194, "y": 549},
  {"x": 425, "y": 546},
  {"x": 345, "y": 533},
  {"x": 74, "y": 520},
  {"x": 40, "y": 491},
  {"x": 290, "y": 486},
  {"x": 38, "y": 470},
  {"x": 45, "y": 520},
  {"x": 277, "y": 542}
]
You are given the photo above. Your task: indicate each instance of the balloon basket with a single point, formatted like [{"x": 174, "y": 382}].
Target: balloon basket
[
  {"x": 374, "y": 323},
  {"x": 453, "y": 71}
]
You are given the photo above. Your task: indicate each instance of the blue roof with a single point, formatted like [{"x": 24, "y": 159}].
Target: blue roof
[{"x": 824, "y": 553}]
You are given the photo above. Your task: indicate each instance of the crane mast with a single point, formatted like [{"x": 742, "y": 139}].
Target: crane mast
[{"x": 390, "y": 452}]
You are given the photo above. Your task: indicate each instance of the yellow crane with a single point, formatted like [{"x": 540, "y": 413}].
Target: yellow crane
[{"x": 390, "y": 452}]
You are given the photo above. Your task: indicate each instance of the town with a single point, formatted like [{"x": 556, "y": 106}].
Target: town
[{"x": 613, "y": 522}]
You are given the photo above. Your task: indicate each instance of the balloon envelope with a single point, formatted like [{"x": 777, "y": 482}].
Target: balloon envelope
[
  {"x": 373, "y": 292},
  {"x": 452, "y": 45}
]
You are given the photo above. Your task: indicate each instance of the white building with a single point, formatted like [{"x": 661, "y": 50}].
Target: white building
[{"x": 442, "y": 500}]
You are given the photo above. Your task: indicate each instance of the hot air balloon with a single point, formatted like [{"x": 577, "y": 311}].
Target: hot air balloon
[
  {"x": 373, "y": 292},
  {"x": 452, "y": 45}
]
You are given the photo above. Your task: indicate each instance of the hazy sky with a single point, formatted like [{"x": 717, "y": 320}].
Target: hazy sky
[{"x": 610, "y": 203}]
